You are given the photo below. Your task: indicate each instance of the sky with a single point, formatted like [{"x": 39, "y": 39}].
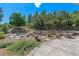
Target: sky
[{"x": 30, "y": 8}]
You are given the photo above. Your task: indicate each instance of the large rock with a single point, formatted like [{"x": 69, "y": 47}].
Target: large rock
[
  {"x": 40, "y": 38},
  {"x": 57, "y": 47},
  {"x": 21, "y": 30},
  {"x": 40, "y": 32},
  {"x": 68, "y": 35}
]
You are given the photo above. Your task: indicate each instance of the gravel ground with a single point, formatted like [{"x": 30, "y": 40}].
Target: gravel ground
[{"x": 58, "y": 47}]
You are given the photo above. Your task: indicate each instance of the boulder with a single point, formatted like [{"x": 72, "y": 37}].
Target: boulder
[
  {"x": 68, "y": 35},
  {"x": 40, "y": 38}
]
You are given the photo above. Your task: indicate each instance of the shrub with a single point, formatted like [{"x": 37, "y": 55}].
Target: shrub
[
  {"x": 4, "y": 28},
  {"x": 20, "y": 47},
  {"x": 2, "y": 35},
  {"x": 4, "y": 45}
]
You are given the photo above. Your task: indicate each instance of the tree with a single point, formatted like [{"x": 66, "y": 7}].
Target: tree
[
  {"x": 57, "y": 20},
  {"x": 38, "y": 21},
  {"x": 35, "y": 21},
  {"x": 1, "y": 14},
  {"x": 49, "y": 21},
  {"x": 44, "y": 20},
  {"x": 17, "y": 20},
  {"x": 67, "y": 24},
  {"x": 4, "y": 28},
  {"x": 29, "y": 21},
  {"x": 75, "y": 19},
  {"x": 60, "y": 18},
  {"x": 29, "y": 18}
]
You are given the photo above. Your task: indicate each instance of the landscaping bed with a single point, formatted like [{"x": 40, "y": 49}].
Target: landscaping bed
[{"x": 20, "y": 47}]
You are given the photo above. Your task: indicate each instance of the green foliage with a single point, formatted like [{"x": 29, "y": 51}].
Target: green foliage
[
  {"x": 4, "y": 28},
  {"x": 17, "y": 19},
  {"x": 4, "y": 45},
  {"x": 38, "y": 21},
  {"x": 28, "y": 22},
  {"x": 57, "y": 20},
  {"x": 1, "y": 14},
  {"x": 2, "y": 35},
  {"x": 75, "y": 19},
  {"x": 22, "y": 46},
  {"x": 29, "y": 18}
]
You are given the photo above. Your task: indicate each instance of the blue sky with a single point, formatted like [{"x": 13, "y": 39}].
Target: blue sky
[{"x": 30, "y": 8}]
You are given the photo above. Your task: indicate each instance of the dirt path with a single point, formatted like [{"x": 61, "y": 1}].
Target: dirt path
[{"x": 62, "y": 47}]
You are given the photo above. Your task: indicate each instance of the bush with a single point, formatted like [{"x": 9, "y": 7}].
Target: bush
[
  {"x": 4, "y": 28},
  {"x": 2, "y": 35},
  {"x": 20, "y": 47},
  {"x": 4, "y": 45}
]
